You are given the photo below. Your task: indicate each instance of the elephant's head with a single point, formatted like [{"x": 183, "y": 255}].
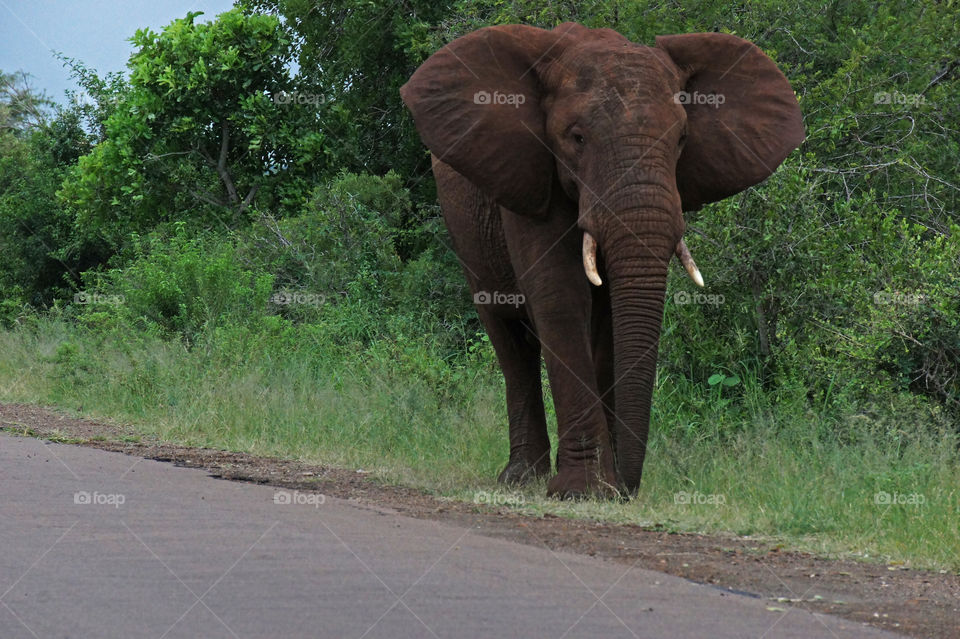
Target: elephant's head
[{"x": 634, "y": 134}]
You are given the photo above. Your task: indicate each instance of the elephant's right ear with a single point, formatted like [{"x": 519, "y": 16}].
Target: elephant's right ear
[{"x": 476, "y": 105}]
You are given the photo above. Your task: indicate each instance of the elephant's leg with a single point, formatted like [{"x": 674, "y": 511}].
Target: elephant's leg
[
  {"x": 585, "y": 463},
  {"x": 518, "y": 352},
  {"x": 546, "y": 258}
]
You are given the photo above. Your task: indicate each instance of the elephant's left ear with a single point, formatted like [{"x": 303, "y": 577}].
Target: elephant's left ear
[{"x": 742, "y": 115}]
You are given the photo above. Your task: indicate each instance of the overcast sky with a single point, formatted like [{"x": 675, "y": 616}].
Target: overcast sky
[{"x": 92, "y": 31}]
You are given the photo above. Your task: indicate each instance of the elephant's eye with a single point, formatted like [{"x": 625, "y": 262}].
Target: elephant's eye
[{"x": 578, "y": 139}]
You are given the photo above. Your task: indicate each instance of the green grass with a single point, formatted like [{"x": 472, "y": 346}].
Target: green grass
[{"x": 780, "y": 470}]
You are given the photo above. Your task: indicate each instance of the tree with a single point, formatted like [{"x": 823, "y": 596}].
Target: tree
[
  {"x": 22, "y": 108},
  {"x": 36, "y": 264},
  {"x": 206, "y": 130},
  {"x": 358, "y": 53}
]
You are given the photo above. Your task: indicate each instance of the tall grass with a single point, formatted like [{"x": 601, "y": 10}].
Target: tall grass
[{"x": 749, "y": 464}]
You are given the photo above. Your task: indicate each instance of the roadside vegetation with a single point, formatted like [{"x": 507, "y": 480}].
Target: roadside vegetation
[{"x": 225, "y": 254}]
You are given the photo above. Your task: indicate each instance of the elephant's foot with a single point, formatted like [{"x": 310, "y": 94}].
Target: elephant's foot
[
  {"x": 521, "y": 471},
  {"x": 583, "y": 482}
]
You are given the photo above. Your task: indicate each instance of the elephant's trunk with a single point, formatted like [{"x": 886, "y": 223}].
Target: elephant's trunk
[{"x": 637, "y": 276}]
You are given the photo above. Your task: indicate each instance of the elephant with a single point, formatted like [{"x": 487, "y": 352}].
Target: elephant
[{"x": 564, "y": 160}]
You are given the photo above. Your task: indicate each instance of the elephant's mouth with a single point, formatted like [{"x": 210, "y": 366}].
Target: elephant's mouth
[{"x": 590, "y": 260}]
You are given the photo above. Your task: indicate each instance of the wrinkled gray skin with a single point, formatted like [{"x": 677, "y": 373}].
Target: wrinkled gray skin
[{"x": 541, "y": 139}]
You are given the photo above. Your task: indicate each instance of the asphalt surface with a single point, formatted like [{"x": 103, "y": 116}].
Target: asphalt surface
[{"x": 98, "y": 544}]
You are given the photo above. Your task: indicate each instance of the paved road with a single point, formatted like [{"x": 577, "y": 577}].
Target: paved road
[{"x": 161, "y": 551}]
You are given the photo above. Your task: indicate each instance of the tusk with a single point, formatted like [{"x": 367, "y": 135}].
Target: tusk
[
  {"x": 683, "y": 253},
  {"x": 590, "y": 259}
]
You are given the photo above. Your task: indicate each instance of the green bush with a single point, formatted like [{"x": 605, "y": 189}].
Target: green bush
[
  {"x": 339, "y": 263},
  {"x": 179, "y": 285}
]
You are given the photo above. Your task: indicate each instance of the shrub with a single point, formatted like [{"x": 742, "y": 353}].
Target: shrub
[{"x": 180, "y": 285}]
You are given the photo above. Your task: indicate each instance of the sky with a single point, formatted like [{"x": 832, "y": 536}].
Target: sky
[{"x": 95, "y": 32}]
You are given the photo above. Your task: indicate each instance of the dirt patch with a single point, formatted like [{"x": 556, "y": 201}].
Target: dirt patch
[{"x": 911, "y": 602}]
